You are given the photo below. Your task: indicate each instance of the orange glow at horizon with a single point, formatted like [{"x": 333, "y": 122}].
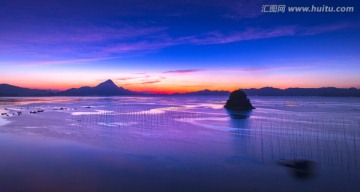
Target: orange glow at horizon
[
  {"x": 159, "y": 88},
  {"x": 159, "y": 82}
]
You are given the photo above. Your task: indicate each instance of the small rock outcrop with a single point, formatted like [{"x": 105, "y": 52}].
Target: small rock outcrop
[{"x": 238, "y": 101}]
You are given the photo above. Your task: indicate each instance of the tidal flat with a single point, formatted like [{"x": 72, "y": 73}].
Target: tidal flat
[{"x": 178, "y": 143}]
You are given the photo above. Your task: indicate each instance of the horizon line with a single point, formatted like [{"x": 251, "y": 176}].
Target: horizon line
[{"x": 170, "y": 93}]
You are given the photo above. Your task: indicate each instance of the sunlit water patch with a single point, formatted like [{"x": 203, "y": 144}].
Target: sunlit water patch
[{"x": 96, "y": 112}]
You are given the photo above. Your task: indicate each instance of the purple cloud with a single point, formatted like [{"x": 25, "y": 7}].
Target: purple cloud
[
  {"x": 144, "y": 82},
  {"x": 54, "y": 30},
  {"x": 58, "y": 62},
  {"x": 137, "y": 46},
  {"x": 263, "y": 69},
  {"x": 184, "y": 71},
  {"x": 76, "y": 34},
  {"x": 248, "y": 34},
  {"x": 324, "y": 28},
  {"x": 258, "y": 33},
  {"x": 50, "y": 43},
  {"x": 151, "y": 82},
  {"x": 126, "y": 78},
  {"x": 141, "y": 78}
]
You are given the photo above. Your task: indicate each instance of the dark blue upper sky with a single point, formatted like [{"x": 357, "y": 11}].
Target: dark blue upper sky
[{"x": 162, "y": 45}]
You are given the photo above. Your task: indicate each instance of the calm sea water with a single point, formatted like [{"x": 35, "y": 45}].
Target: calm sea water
[{"x": 179, "y": 144}]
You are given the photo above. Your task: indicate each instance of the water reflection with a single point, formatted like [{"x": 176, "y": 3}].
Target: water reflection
[
  {"x": 241, "y": 140},
  {"x": 239, "y": 114}
]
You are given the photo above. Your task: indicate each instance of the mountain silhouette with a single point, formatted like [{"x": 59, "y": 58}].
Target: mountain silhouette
[
  {"x": 205, "y": 92},
  {"x": 7, "y": 90},
  {"x": 321, "y": 92},
  {"x": 109, "y": 84},
  {"x": 107, "y": 88}
]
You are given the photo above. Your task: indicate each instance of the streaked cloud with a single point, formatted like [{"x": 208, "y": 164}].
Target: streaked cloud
[
  {"x": 141, "y": 79},
  {"x": 326, "y": 28},
  {"x": 151, "y": 82},
  {"x": 126, "y": 78},
  {"x": 58, "y": 62},
  {"x": 184, "y": 71},
  {"x": 97, "y": 43},
  {"x": 259, "y": 33}
]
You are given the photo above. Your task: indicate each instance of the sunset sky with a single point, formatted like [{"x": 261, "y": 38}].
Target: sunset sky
[{"x": 177, "y": 45}]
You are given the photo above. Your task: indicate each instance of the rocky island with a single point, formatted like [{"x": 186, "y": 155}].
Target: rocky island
[{"x": 238, "y": 101}]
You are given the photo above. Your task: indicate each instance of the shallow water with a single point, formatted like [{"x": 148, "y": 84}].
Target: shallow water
[{"x": 178, "y": 144}]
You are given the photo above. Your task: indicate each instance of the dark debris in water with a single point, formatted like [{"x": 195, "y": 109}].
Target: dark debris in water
[{"x": 299, "y": 168}]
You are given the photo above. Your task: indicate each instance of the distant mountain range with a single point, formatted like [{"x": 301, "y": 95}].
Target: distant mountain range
[
  {"x": 323, "y": 92},
  {"x": 109, "y": 88},
  {"x": 270, "y": 91},
  {"x": 14, "y": 91},
  {"x": 205, "y": 92}
]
